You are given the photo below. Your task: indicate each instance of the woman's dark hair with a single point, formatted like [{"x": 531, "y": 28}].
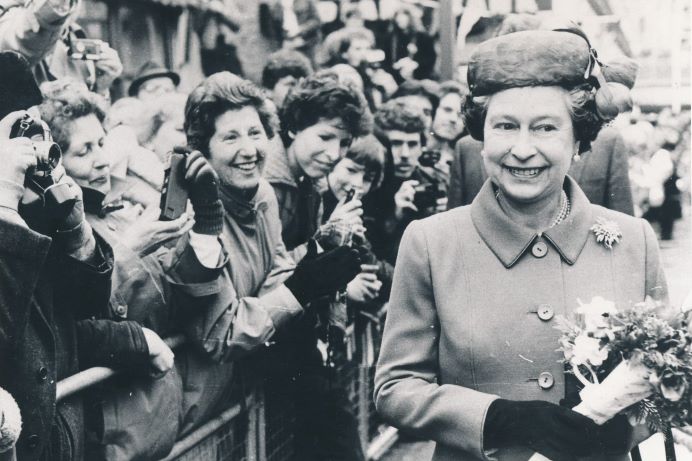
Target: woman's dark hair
[
  {"x": 399, "y": 116},
  {"x": 284, "y": 63},
  {"x": 65, "y": 101},
  {"x": 215, "y": 96},
  {"x": 426, "y": 88},
  {"x": 582, "y": 108},
  {"x": 368, "y": 151},
  {"x": 323, "y": 97}
]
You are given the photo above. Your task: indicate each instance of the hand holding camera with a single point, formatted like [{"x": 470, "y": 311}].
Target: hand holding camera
[
  {"x": 148, "y": 232},
  {"x": 19, "y": 156},
  {"x": 203, "y": 185},
  {"x": 404, "y": 199},
  {"x": 366, "y": 286}
]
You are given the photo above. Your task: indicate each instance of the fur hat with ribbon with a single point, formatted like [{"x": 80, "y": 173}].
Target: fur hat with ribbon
[{"x": 561, "y": 57}]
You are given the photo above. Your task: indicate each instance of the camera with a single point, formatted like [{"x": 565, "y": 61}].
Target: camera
[
  {"x": 86, "y": 49},
  {"x": 43, "y": 198},
  {"x": 426, "y": 197},
  {"x": 429, "y": 158},
  {"x": 173, "y": 193}
]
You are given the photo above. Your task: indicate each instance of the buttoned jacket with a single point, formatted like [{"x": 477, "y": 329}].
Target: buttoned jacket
[{"x": 473, "y": 307}]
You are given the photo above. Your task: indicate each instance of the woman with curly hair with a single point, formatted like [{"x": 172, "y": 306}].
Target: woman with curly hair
[{"x": 469, "y": 356}]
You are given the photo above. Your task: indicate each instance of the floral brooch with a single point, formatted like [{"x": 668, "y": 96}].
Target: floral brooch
[{"x": 607, "y": 232}]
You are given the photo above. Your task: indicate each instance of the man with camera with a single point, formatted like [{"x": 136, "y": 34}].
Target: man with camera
[
  {"x": 44, "y": 32},
  {"x": 55, "y": 276},
  {"x": 408, "y": 191}
]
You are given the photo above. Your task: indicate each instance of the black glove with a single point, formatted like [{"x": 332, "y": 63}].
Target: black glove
[
  {"x": 319, "y": 275},
  {"x": 553, "y": 431},
  {"x": 203, "y": 189}
]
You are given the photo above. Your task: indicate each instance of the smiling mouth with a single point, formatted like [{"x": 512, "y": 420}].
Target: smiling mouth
[
  {"x": 524, "y": 172},
  {"x": 99, "y": 180},
  {"x": 246, "y": 166}
]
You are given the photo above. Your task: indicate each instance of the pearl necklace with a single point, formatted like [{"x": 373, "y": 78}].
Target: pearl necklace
[{"x": 565, "y": 207}]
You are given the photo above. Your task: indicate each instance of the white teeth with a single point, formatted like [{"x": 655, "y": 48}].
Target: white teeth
[{"x": 527, "y": 172}]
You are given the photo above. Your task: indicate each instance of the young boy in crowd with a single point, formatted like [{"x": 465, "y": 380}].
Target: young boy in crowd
[{"x": 283, "y": 71}]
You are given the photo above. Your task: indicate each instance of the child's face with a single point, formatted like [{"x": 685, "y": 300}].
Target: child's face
[{"x": 348, "y": 175}]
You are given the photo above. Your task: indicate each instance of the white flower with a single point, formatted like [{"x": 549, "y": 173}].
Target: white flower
[
  {"x": 588, "y": 351},
  {"x": 596, "y": 313},
  {"x": 10, "y": 421}
]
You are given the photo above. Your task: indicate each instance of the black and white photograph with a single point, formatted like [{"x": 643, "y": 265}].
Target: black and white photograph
[{"x": 345, "y": 230}]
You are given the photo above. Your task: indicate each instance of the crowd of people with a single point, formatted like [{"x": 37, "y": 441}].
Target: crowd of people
[{"x": 299, "y": 190}]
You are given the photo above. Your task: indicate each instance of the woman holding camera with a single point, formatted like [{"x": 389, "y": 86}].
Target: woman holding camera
[
  {"x": 141, "y": 291},
  {"x": 468, "y": 359}
]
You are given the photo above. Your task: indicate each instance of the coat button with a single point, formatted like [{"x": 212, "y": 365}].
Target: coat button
[
  {"x": 42, "y": 374},
  {"x": 121, "y": 310},
  {"x": 545, "y": 380},
  {"x": 539, "y": 249},
  {"x": 545, "y": 312},
  {"x": 32, "y": 441}
]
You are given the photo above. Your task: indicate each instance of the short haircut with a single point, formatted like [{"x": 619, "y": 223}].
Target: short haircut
[
  {"x": 370, "y": 153},
  {"x": 285, "y": 63},
  {"x": 452, "y": 86},
  {"x": 323, "y": 97},
  {"x": 216, "y": 95},
  {"x": 338, "y": 42},
  {"x": 398, "y": 115},
  {"x": 65, "y": 101},
  {"x": 426, "y": 88}
]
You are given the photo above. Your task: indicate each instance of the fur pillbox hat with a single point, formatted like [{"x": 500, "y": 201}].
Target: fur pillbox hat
[{"x": 551, "y": 58}]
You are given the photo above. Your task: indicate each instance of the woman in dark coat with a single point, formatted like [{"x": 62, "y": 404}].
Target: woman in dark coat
[{"x": 469, "y": 354}]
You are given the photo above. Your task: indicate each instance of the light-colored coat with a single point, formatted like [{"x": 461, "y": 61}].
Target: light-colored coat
[{"x": 463, "y": 325}]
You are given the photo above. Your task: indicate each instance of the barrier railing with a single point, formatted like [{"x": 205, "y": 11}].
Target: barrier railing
[{"x": 262, "y": 428}]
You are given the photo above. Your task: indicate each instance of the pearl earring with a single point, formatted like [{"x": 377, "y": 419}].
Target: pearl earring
[{"x": 576, "y": 157}]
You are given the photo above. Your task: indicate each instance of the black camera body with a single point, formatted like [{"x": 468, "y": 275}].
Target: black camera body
[
  {"x": 174, "y": 193},
  {"x": 429, "y": 158},
  {"x": 45, "y": 201},
  {"x": 427, "y": 195}
]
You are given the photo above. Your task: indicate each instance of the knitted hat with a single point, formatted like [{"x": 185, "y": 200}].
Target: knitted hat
[
  {"x": 18, "y": 88},
  {"x": 148, "y": 71},
  {"x": 550, "y": 58}
]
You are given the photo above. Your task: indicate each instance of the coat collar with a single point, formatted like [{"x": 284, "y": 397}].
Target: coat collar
[
  {"x": 277, "y": 170},
  {"x": 509, "y": 240}
]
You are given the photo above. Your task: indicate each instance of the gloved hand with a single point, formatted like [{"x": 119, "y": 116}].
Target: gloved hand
[
  {"x": 553, "y": 431},
  {"x": 203, "y": 188},
  {"x": 319, "y": 275}
]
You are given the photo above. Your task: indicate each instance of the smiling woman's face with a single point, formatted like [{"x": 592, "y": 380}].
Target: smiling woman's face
[
  {"x": 238, "y": 147},
  {"x": 528, "y": 142},
  {"x": 318, "y": 148}
]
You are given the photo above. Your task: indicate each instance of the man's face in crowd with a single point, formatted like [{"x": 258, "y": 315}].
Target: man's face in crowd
[
  {"x": 349, "y": 175},
  {"x": 155, "y": 87},
  {"x": 406, "y": 148},
  {"x": 238, "y": 147},
  {"x": 318, "y": 148},
  {"x": 281, "y": 89},
  {"x": 422, "y": 103},
  {"x": 356, "y": 53},
  {"x": 448, "y": 123},
  {"x": 85, "y": 160}
]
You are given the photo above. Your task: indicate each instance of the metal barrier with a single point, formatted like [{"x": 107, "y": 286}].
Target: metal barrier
[{"x": 262, "y": 429}]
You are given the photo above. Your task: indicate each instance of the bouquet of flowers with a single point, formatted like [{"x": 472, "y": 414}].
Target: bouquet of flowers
[
  {"x": 10, "y": 421},
  {"x": 637, "y": 362}
]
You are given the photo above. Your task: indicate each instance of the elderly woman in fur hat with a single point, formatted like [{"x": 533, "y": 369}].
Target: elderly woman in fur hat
[{"x": 469, "y": 354}]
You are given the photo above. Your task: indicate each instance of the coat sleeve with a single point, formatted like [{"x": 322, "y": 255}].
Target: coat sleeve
[
  {"x": 224, "y": 324},
  {"x": 32, "y": 29},
  {"x": 23, "y": 254},
  {"x": 113, "y": 344},
  {"x": 407, "y": 392}
]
